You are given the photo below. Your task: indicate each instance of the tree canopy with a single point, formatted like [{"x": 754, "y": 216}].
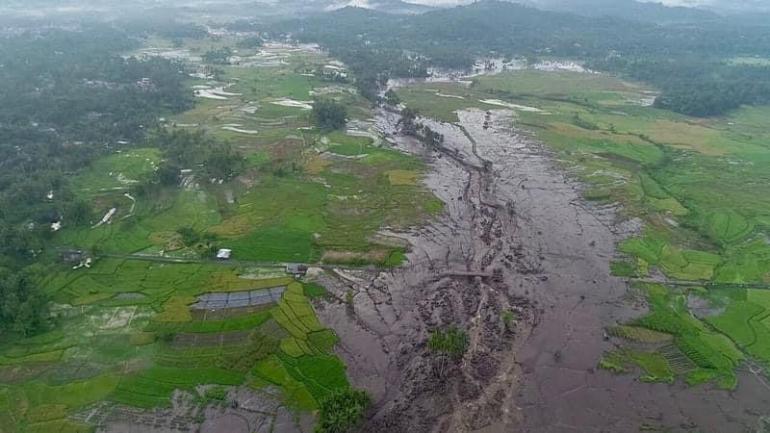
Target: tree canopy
[{"x": 328, "y": 114}]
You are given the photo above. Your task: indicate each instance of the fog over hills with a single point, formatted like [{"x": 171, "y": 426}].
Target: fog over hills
[
  {"x": 660, "y": 11},
  {"x": 723, "y": 5},
  {"x": 718, "y": 5}
]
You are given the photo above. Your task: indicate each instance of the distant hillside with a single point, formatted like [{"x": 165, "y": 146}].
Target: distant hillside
[
  {"x": 731, "y": 6},
  {"x": 453, "y": 36},
  {"x": 628, "y": 9},
  {"x": 389, "y": 6}
]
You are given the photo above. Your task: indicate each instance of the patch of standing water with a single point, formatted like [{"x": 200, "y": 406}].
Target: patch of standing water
[
  {"x": 240, "y": 131},
  {"x": 218, "y": 93},
  {"x": 292, "y": 103},
  {"x": 500, "y": 103}
]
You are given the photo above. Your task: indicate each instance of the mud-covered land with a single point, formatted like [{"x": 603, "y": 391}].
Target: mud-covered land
[{"x": 515, "y": 236}]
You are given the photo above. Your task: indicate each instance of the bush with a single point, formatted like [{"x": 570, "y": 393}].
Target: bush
[
  {"x": 189, "y": 235},
  {"x": 452, "y": 342},
  {"x": 342, "y": 411}
]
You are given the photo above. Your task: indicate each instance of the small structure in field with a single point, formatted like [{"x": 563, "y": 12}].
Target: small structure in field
[
  {"x": 224, "y": 254},
  {"x": 77, "y": 258},
  {"x": 72, "y": 256},
  {"x": 296, "y": 269}
]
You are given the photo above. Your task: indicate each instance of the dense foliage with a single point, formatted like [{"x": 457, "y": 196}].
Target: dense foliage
[
  {"x": 685, "y": 60},
  {"x": 21, "y": 303},
  {"x": 220, "y": 56},
  {"x": 342, "y": 411},
  {"x": 698, "y": 87},
  {"x": 185, "y": 150},
  {"x": 68, "y": 98},
  {"x": 328, "y": 114}
]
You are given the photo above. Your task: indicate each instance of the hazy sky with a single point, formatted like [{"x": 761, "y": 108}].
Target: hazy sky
[
  {"x": 724, "y": 4},
  {"x": 721, "y": 4}
]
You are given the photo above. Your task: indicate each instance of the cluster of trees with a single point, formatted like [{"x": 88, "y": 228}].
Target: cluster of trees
[
  {"x": 697, "y": 86},
  {"x": 328, "y": 114},
  {"x": 219, "y": 56},
  {"x": 251, "y": 42},
  {"x": 378, "y": 46},
  {"x": 391, "y": 98},
  {"x": 206, "y": 156},
  {"x": 204, "y": 243},
  {"x": 74, "y": 85},
  {"x": 21, "y": 302},
  {"x": 69, "y": 98}
]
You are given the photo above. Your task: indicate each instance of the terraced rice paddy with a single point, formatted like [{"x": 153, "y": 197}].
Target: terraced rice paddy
[{"x": 699, "y": 186}]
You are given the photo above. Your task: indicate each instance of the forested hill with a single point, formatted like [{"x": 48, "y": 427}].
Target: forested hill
[{"x": 378, "y": 44}]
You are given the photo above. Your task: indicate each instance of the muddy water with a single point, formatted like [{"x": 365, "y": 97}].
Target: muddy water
[{"x": 515, "y": 240}]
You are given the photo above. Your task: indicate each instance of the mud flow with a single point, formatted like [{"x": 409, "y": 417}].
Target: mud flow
[{"x": 521, "y": 262}]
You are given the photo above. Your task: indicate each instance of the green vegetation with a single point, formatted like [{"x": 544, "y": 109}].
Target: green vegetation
[
  {"x": 329, "y": 115},
  {"x": 313, "y": 290},
  {"x": 452, "y": 342},
  {"x": 654, "y": 365},
  {"x": 745, "y": 322},
  {"x": 342, "y": 411},
  {"x": 75, "y": 100},
  {"x": 509, "y": 318},
  {"x": 220, "y": 56}
]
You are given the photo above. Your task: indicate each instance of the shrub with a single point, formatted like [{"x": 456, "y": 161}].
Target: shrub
[
  {"x": 342, "y": 411},
  {"x": 452, "y": 342}
]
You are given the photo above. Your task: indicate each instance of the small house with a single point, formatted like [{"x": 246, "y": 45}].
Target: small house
[
  {"x": 297, "y": 270},
  {"x": 224, "y": 254}
]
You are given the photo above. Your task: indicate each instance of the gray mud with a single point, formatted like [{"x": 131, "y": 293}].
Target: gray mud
[
  {"x": 515, "y": 237},
  {"x": 243, "y": 411}
]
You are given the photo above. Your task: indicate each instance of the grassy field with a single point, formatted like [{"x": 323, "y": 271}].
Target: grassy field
[
  {"x": 127, "y": 332},
  {"x": 701, "y": 186}
]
